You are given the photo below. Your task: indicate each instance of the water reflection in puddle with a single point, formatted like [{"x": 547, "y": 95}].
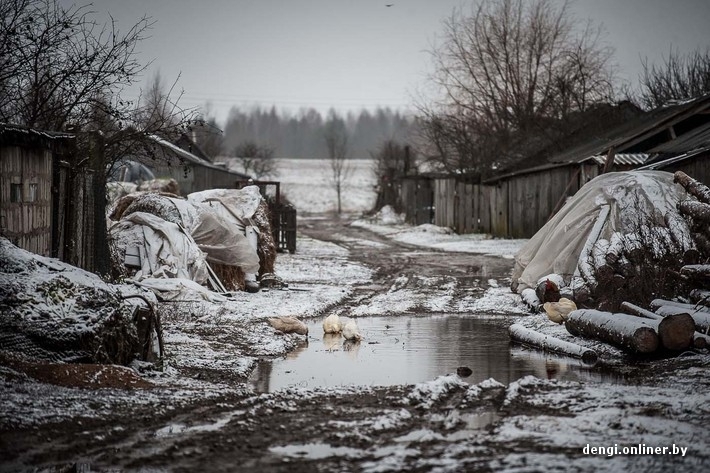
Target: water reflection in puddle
[{"x": 408, "y": 350}]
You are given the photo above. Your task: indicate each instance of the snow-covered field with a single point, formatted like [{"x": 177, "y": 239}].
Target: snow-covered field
[{"x": 308, "y": 184}]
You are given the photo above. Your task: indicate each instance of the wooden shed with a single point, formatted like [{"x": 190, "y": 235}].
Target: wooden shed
[
  {"x": 192, "y": 173},
  {"x": 28, "y": 161}
]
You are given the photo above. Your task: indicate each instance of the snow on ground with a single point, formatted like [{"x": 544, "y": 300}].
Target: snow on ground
[
  {"x": 432, "y": 236},
  {"x": 308, "y": 185}
]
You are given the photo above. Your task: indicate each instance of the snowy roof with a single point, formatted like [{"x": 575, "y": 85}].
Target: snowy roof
[
  {"x": 190, "y": 157},
  {"x": 13, "y": 134}
]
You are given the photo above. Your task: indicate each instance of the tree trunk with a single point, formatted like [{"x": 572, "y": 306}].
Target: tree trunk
[
  {"x": 527, "y": 336},
  {"x": 623, "y": 330},
  {"x": 695, "y": 188},
  {"x": 689, "y": 308},
  {"x": 700, "y": 296}
]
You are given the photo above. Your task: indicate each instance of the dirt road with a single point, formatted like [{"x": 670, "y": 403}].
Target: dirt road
[{"x": 442, "y": 425}]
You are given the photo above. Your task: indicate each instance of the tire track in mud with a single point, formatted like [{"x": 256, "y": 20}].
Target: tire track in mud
[{"x": 429, "y": 272}]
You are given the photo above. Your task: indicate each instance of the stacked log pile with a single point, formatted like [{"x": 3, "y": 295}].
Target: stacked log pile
[{"x": 676, "y": 248}]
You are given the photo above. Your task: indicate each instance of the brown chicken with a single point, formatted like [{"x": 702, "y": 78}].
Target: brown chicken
[{"x": 547, "y": 291}]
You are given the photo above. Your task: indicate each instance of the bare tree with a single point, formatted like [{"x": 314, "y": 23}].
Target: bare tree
[
  {"x": 505, "y": 72},
  {"x": 336, "y": 143},
  {"x": 207, "y": 134},
  {"x": 61, "y": 68},
  {"x": 255, "y": 160},
  {"x": 680, "y": 77}
]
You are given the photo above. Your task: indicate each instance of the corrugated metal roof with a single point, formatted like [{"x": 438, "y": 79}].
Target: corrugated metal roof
[
  {"x": 675, "y": 159},
  {"x": 624, "y": 159}
]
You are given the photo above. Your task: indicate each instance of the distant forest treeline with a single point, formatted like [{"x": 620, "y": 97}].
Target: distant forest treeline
[{"x": 301, "y": 135}]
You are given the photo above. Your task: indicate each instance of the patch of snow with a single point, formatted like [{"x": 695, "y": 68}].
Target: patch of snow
[
  {"x": 432, "y": 236},
  {"x": 425, "y": 395}
]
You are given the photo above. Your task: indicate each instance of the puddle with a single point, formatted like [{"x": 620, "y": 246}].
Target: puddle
[{"x": 409, "y": 350}]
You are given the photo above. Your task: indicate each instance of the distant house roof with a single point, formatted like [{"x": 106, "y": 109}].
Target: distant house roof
[
  {"x": 188, "y": 144},
  {"x": 640, "y": 134},
  {"x": 192, "y": 158}
]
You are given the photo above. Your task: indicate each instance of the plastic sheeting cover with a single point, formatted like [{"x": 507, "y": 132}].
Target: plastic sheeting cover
[
  {"x": 234, "y": 204},
  {"x": 165, "y": 250},
  {"x": 636, "y": 199}
]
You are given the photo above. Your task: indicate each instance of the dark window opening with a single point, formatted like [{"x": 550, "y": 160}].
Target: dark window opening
[{"x": 15, "y": 192}]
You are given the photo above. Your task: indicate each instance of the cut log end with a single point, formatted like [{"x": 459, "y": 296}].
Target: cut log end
[{"x": 676, "y": 332}]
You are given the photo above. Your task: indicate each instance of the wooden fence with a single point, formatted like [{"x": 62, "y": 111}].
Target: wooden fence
[
  {"x": 417, "y": 198},
  {"x": 513, "y": 206}
]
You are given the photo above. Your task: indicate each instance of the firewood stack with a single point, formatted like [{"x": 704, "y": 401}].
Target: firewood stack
[
  {"x": 674, "y": 247},
  {"x": 668, "y": 325},
  {"x": 697, "y": 211}
]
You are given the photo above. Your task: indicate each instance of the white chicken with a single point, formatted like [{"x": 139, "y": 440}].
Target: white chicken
[
  {"x": 332, "y": 324},
  {"x": 558, "y": 311},
  {"x": 351, "y": 331},
  {"x": 289, "y": 324}
]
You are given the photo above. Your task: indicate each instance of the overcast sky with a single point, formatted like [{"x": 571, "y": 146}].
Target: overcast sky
[{"x": 351, "y": 54}]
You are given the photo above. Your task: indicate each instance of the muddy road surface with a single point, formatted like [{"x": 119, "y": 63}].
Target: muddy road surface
[{"x": 443, "y": 424}]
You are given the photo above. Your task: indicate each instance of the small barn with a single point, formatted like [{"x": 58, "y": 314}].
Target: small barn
[{"x": 192, "y": 173}]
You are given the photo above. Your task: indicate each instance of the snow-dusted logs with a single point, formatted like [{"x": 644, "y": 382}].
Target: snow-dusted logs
[
  {"x": 703, "y": 242},
  {"x": 700, "y": 340},
  {"x": 698, "y": 211},
  {"x": 633, "y": 247},
  {"x": 696, "y": 271},
  {"x": 623, "y": 330},
  {"x": 531, "y": 300},
  {"x": 656, "y": 303},
  {"x": 675, "y": 332},
  {"x": 602, "y": 269},
  {"x": 680, "y": 232},
  {"x": 695, "y": 188},
  {"x": 530, "y": 337},
  {"x": 633, "y": 309},
  {"x": 616, "y": 248},
  {"x": 700, "y": 296},
  {"x": 701, "y": 318}
]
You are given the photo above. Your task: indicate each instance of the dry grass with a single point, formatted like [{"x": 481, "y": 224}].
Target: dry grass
[{"x": 232, "y": 277}]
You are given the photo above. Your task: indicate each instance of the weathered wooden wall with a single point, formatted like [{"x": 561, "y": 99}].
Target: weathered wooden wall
[
  {"x": 417, "y": 196},
  {"x": 516, "y": 206},
  {"x": 26, "y": 197},
  {"x": 697, "y": 167},
  {"x": 49, "y": 204},
  {"x": 195, "y": 178}
]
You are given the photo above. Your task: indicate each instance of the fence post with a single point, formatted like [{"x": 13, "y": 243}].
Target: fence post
[{"x": 101, "y": 264}]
